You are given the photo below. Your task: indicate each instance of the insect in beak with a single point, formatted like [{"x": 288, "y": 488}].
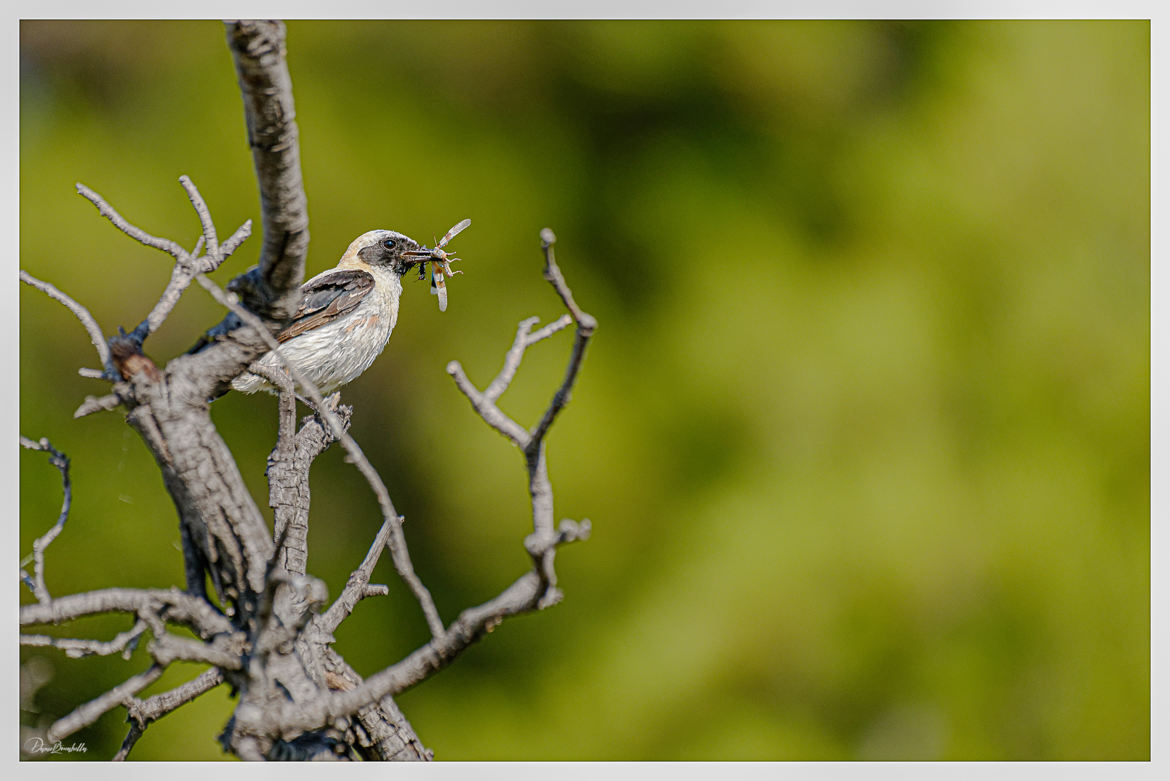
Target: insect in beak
[{"x": 440, "y": 263}]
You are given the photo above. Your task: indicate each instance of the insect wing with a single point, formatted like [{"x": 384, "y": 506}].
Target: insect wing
[
  {"x": 438, "y": 286},
  {"x": 457, "y": 228}
]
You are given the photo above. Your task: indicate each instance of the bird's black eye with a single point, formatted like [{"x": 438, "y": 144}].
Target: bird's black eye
[{"x": 390, "y": 244}]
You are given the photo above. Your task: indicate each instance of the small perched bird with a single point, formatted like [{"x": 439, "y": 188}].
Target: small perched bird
[{"x": 346, "y": 314}]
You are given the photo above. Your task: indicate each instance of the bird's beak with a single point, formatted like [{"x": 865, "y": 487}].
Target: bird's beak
[{"x": 417, "y": 254}]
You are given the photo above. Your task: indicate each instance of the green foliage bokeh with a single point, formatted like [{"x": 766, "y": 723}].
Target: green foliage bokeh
[{"x": 863, "y": 434}]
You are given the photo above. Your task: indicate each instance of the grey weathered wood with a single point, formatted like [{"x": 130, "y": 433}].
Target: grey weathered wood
[{"x": 266, "y": 627}]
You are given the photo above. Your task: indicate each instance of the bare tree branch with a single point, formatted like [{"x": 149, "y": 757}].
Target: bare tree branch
[
  {"x": 552, "y": 273},
  {"x": 382, "y": 731},
  {"x": 187, "y": 264},
  {"x": 357, "y": 587},
  {"x": 171, "y": 605},
  {"x": 91, "y": 326},
  {"x": 210, "y": 238},
  {"x": 523, "y": 596},
  {"x": 534, "y": 590},
  {"x": 289, "y": 490},
  {"x": 586, "y": 324},
  {"x": 288, "y": 494},
  {"x": 487, "y": 409},
  {"x": 168, "y": 246},
  {"x": 397, "y": 541},
  {"x": 524, "y": 339},
  {"x": 485, "y": 402},
  {"x": 288, "y": 467},
  {"x": 541, "y": 544},
  {"x": 259, "y": 53},
  {"x": 123, "y": 643},
  {"x": 297, "y": 697},
  {"x": 91, "y": 711},
  {"x": 61, "y": 461},
  {"x": 142, "y": 713}
]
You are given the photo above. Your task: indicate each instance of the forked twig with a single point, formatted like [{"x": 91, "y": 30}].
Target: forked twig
[
  {"x": 187, "y": 264},
  {"x": 358, "y": 587},
  {"x": 542, "y": 543},
  {"x": 534, "y": 590},
  {"x": 142, "y": 713},
  {"x": 586, "y": 325},
  {"x": 58, "y": 459}
]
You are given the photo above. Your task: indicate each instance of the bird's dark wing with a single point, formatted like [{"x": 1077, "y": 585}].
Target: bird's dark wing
[{"x": 327, "y": 298}]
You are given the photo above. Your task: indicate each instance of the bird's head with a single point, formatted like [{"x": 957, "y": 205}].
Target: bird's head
[{"x": 384, "y": 249}]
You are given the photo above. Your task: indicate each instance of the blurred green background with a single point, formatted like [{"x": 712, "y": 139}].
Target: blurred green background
[{"x": 863, "y": 434}]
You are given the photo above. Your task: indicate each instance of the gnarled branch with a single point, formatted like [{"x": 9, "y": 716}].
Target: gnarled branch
[
  {"x": 259, "y": 53},
  {"x": 142, "y": 713},
  {"x": 397, "y": 541},
  {"x": 297, "y": 697},
  {"x": 172, "y": 605},
  {"x": 534, "y": 590}
]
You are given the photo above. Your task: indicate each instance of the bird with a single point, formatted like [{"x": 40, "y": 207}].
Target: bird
[{"x": 346, "y": 314}]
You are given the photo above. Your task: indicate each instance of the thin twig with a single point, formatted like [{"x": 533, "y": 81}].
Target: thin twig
[
  {"x": 179, "y": 281},
  {"x": 357, "y": 587},
  {"x": 540, "y": 543},
  {"x": 91, "y": 711},
  {"x": 128, "y": 742},
  {"x": 82, "y": 314},
  {"x": 552, "y": 273},
  {"x": 187, "y": 264},
  {"x": 61, "y": 461},
  {"x": 123, "y": 643},
  {"x": 142, "y": 713},
  {"x": 168, "y": 246},
  {"x": 236, "y": 239},
  {"x": 209, "y": 236},
  {"x": 485, "y": 402},
  {"x": 487, "y": 409},
  {"x": 397, "y": 542},
  {"x": 556, "y": 325},
  {"x": 172, "y": 605},
  {"x": 586, "y": 325},
  {"x": 525, "y": 337}
]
